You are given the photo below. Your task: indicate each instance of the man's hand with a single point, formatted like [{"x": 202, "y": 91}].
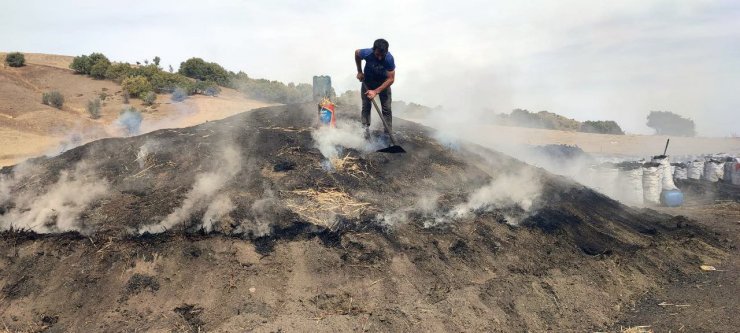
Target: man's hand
[
  {"x": 371, "y": 94},
  {"x": 360, "y": 76}
]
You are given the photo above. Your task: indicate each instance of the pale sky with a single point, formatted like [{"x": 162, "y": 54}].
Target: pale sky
[{"x": 585, "y": 59}]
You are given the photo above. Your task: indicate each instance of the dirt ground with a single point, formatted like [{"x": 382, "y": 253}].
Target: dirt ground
[
  {"x": 578, "y": 262},
  {"x": 630, "y": 145},
  {"x": 706, "y": 301},
  {"x": 29, "y": 128}
]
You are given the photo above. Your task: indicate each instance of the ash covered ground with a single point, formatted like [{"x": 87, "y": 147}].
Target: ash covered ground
[{"x": 262, "y": 222}]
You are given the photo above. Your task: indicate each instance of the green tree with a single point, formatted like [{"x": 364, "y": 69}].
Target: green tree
[
  {"x": 602, "y": 127},
  {"x": 97, "y": 56},
  {"x": 99, "y": 69},
  {"x": 81, "y": 64},
  {"x": 164, "y": 82},
  {"x": 199, "y": 69},
  {"x": 15, "y": 59},
  {"x": 669, "y": 123},
  {"x": 136, "y": 85},
  {"x": 156, "y": 61},
  {"x": 118, "y": 71}
]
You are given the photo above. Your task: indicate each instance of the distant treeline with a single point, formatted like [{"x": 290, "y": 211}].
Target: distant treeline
[
  {"x": 195, "y": 76},
  {"x": 549, "y": 120},
  {"x": 412, "y": 110}
]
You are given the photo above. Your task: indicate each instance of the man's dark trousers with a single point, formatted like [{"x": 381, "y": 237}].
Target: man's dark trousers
[{"x": 385, "y": 103}]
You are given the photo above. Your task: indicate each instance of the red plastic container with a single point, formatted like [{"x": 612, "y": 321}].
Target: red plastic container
[{"x": 327, "y": 113}]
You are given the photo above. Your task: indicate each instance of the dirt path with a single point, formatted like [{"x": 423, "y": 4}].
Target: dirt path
[{"x": 708, "y": 301}]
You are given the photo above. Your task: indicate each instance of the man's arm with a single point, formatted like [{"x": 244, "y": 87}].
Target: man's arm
[
  {"x": 387, "y": 83},
  {"x": 358, "y": 62}
]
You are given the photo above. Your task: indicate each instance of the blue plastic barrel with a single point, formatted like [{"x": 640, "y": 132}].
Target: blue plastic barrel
[{"x": 671, "y": 198}]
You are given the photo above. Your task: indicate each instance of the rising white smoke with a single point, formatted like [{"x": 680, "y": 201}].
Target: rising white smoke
[
  {"x": 425, "y": 204},
  {"x": 347, "y": 134},
  {"x": 204, "y": 193},
  {"x": 59, "y": 206},
  {"x": 519, "y": 189},
  {"x": 263, "y": 212},
  {"x": 216, "y": 211}
]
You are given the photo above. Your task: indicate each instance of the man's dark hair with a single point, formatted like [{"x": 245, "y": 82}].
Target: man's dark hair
[{"x": 381, "y": 45}]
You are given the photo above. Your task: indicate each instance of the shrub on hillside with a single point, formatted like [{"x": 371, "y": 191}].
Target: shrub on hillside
[
  {"x": 602, "y": 127},
  {"x": 93, "y": 108},
  {"x": 136, "y": 85},
  {"x": 147, "y": 71},
  {"x": 99, "y": 69},
  {"x": 149, "y": 98},
  {"x": 118, "y": 71},
  {"x": 207, "y": 88},
  {"x": 97, "y": 56},
  {"x": 53, "y": 98},
  {"x": 125, "y": 96},
  {"x": 15, "y": 59},
  {"x": 179, "y": 95},
  {"x": 271, "y": 91},
  {"x": 164, "y": 82},
  {"x": 83, "y": 64},
  {"x": 199, "y": 69}
]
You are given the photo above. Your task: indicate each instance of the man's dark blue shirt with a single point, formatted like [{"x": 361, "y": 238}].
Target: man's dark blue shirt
[{"x": 376, "y": 71}]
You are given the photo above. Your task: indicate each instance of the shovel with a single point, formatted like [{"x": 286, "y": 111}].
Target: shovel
[{"x": 394, "y": 148}]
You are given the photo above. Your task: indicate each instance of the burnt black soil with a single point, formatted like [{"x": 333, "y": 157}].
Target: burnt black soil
[{"x": 573, "y": 263}]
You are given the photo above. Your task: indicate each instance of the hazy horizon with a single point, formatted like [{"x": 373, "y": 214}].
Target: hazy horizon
[{"x": 581, "y": 59}]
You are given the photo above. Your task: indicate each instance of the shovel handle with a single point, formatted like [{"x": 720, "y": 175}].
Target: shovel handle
[
  {"x": 666, "y": 146},
  {"x": 380, "y": 114}
]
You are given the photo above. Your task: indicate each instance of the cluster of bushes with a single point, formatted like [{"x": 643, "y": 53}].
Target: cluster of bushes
[
  {"x": 549, "y": 120},
  {"x": 271, "y": 91},
  {"x": 95, "y": 65},
  {"x": 601, "y": 127},
  {"x": 201, "y": 70},
  {"x": 195, "y": 76},
  {"x": 15, "y": 59},
  {"x": 542, "y": 119},
  {"x": 53, "y": 98},
  {"x": 145, "y": 81}
]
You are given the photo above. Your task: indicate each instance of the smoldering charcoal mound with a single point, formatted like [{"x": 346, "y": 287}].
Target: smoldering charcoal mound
[{"x": 286, "y": 229}]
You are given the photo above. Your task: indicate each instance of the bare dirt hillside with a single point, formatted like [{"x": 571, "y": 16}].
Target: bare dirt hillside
[
  {"x": 616, "y": 145},
  {"x": 29, "y": 128},
  {"x": 252, "y": 223}
]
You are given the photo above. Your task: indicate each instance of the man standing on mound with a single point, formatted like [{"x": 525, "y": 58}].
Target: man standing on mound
[{"x": 378, "y": 76}]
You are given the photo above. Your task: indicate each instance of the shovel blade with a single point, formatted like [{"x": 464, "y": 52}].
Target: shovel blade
[{"x": 393, "y": 150}]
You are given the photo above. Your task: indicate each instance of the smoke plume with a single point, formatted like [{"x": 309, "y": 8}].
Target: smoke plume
[
  {"x": 347, "y": 134},
  {"x": 204, "y": 194},
  {"x": 58, "y": 207}
]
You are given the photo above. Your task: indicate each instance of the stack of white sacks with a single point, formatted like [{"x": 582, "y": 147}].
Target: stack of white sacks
[
  {"x": 713, "y": 168},
  {"x": 630, "y": 178},
  {"x": 656, "y": 178},
  {"x": 695, "y": 169},
  {"x": 732, "y": 171}
]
